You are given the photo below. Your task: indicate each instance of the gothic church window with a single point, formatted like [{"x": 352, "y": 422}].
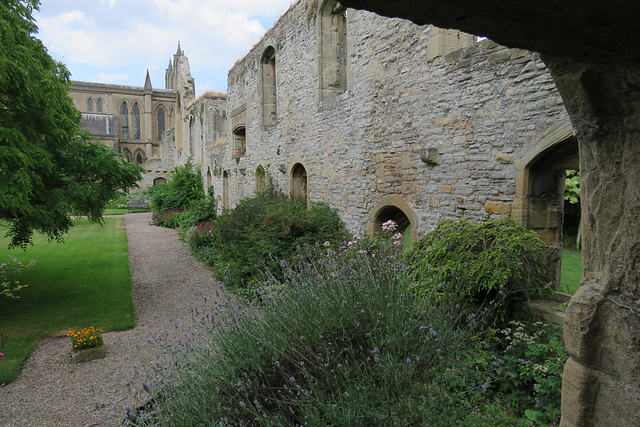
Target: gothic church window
[
  {"x": 160, "y": 119},
  {"x": 124, "y": 120},
  {"x": 136, "y": 122},
  {"x": 333, "y": 49},
  {"x": 139, "y": 157},
  {"x": 90, "y": 105},
  {"x": 269, "y": 86},
  {"x": 99, "y": 105}
]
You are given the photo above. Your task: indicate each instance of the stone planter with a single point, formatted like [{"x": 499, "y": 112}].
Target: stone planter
[{"x": 88, "y": 354}]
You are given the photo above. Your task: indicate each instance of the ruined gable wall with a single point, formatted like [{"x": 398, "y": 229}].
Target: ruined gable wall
[{"x": 478, "y": 109}]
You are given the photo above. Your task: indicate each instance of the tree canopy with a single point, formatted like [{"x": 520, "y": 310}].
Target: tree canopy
[{"x": 49, "y": 168}]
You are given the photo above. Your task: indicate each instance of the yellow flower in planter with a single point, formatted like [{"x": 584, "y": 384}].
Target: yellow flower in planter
[{"x": 86, "y": 338}]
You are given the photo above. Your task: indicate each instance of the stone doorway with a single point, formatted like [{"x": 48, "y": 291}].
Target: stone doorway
[{"x": 544, "y": 185}]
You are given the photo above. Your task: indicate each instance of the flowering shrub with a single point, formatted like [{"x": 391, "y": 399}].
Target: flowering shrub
[
  {"x": 338, "y": 338},
  {"x": 86, "y": 338},
  {"x": 261, "y": 231}
]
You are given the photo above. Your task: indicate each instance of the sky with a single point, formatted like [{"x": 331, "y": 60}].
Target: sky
[{"x": 116, "y": 41}]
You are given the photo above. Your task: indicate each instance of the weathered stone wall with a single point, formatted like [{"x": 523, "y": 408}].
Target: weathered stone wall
[{"x": 471, "y": 114}]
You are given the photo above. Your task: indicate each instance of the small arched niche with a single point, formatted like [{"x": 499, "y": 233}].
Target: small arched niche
[{"x": 396, "y": 209}]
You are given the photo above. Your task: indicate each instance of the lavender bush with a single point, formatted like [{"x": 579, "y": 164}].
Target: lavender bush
[{"x": 337, "y": 340}]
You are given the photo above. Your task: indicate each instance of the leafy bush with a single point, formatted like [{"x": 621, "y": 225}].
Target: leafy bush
[
  {"x": 268, "y": 228},
  {"x": 169, "y": 219},
  {"x": 200, "y": 212},
  {"x": 475, "y": 265},
  {"x": 185, "y": 187}
]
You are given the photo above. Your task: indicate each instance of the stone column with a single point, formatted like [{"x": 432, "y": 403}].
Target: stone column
[{"x": 601, "y": 381}]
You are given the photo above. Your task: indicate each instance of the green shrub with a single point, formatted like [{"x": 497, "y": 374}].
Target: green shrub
[
  {"x": 265, "y": 229},
  {"x": 475, "y": 266},
  {"x": 169, "y": 218},
  {"x": 200, "y": 211},
  {"x": 185, "y": 187}
]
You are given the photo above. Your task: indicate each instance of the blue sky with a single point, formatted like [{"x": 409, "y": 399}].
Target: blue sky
[{"x": 116, "y": 41}]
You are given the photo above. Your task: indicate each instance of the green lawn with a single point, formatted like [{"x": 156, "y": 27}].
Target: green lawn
[
  {"x": 82, "y": 282},
  {"x": 571, "y": 271}
]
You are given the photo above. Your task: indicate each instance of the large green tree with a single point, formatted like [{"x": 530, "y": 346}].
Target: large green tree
[{"x": 49, "y": 169}]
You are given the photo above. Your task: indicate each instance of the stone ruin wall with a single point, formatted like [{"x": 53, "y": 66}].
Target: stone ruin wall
[{"x": 474, "y": 112}]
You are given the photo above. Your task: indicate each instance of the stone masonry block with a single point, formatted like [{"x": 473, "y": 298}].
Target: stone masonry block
[{"x": 497, "y": 208}]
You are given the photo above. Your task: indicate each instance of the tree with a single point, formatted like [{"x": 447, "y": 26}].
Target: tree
[{"x": 49, "y": 168}]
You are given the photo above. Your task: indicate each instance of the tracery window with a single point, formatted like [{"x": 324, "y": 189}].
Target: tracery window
[
  {"x": 136, "y": 122},
  {"x": 124, "y": 120},
  {"x": 160, "y": 121}
]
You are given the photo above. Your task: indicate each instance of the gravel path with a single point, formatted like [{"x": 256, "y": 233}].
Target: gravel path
[{"x": 167, "y": 283}]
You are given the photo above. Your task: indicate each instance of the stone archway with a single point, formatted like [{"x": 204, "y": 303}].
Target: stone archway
[{"x": 540, "y": 191}]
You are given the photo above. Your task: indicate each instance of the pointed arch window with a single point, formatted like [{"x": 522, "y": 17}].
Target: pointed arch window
[
  {"x": 160, "y": 117},
  {"x": 333, "y": 49},
  {"x": 124, "y": 120},
  {"x": 136, "y": 122},
  {"x": 139, "y": 158},
  {"x": 269, "y": 111},
  {"x": 99, "y": 105},
  {"x": 90, "y": 105}
]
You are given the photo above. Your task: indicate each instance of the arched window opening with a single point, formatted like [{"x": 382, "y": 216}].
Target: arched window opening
[
  {"x": 127, "y": 154},
  {"x": 225, "y": 190},
  {"x": 139, "y": 157},
  {"x": 160, "y": 180},
  {"x": 269, "y": 112},
  {"x": 160, "y": 119},
  {"x": 402, "y": 222},
  {"x": 333, "y": 49},
  {"x": 99, "y": 105},
  {"x": 136, "y": 122},
  {"x": 239, "y": 141},
  {"x": 124, "y": 120},
  {"x": 90, "y": 105},
  {"x": 299, "y": 184}
]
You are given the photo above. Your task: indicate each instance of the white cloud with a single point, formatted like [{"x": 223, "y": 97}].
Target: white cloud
[
  {"x": 112, "y": 78},
  {"x": 114, "y": 34}
]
